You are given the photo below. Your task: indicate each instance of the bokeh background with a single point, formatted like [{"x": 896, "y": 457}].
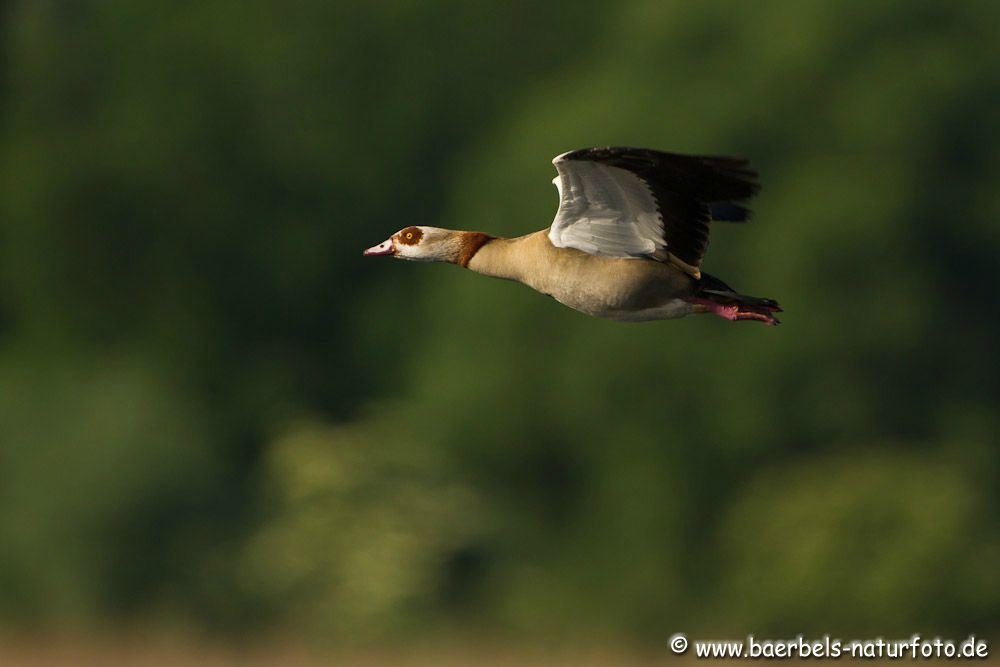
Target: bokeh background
[{"x": 219, "y": 423}]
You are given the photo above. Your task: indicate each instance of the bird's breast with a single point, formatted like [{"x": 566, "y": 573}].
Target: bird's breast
[{"x": 615, "y": 288}]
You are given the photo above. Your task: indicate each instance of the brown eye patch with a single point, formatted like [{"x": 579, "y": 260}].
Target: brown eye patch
[{"x": 410, "y": 236}]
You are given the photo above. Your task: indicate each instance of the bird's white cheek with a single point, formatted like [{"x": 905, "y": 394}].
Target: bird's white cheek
[{"x": 413, "y": 253}]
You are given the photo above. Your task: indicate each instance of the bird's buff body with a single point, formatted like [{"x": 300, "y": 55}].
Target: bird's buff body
[{"x": 617, "y": 288}]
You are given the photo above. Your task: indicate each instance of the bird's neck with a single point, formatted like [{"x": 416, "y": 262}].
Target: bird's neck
[
  {"x": 502, "y": 258},
  {"x": 466, "y": 245}
]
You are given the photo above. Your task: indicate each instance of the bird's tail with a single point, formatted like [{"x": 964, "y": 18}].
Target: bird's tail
[{"x": 715, "y": 296}]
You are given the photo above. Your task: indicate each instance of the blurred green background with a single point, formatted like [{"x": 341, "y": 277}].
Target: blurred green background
[{"x": 215, "y": 415}]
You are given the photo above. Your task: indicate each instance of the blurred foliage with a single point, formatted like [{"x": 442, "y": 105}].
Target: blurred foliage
[
  {"x": 212, "y": 409},
  {"x": 365, "y": 532}
]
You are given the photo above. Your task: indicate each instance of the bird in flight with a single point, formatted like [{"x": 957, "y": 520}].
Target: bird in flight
[{"x": 627, "y": 241}]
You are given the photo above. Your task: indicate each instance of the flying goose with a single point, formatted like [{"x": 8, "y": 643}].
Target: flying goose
[{"x": 626, "y": 243}]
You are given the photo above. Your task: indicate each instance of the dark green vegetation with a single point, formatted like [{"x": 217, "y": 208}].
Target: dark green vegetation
[{"x": 214, "y": 411}]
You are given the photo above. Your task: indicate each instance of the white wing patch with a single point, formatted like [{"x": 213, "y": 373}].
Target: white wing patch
[{"x": 604, "y": 210}]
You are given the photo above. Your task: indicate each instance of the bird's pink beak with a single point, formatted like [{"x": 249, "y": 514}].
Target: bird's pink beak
[{"x": 384, "y": 248}]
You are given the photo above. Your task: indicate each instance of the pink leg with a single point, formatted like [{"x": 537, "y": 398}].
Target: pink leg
[{"x": 733, "y": 313}]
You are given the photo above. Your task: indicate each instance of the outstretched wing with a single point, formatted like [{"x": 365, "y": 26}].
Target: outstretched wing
[{"x": 634, "y": 202}]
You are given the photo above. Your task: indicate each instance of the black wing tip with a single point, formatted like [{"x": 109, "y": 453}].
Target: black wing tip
[
  {"x": 715, "y": 178},
  {"x": 729, "y": 212},
  {"x": 653, "y": 155},
  {"x": 611, "y": 154}
]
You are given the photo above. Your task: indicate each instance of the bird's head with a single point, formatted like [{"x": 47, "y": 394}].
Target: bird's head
[
  {"x": 415, "y": 242},
  {"x": 430, "y": 244}
]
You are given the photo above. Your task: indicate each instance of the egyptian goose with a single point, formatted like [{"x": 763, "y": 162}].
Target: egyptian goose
[{"x": 626, "y": 243}]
